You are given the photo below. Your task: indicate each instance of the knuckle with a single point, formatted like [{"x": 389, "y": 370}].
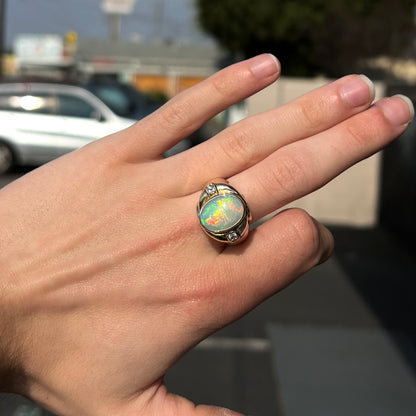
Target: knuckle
[
  {"x": 363, "y": 131},
  {"x": 221, "y": 84},
  {"x": 203, "y": 299},
  {"x": 239, "y": 146},
  {"x": 176, "y": 115},
  {"x": 306, "y": 234},
  {"x": 228, "y": 83},
  {"x": 355, "y": 135},
  {"x": 309, "y": 116},
  {"x": 101, "y": 154},
  {"x": 289, "y": 176}
]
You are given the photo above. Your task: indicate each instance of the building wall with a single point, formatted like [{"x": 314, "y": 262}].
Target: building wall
[
  {"x": 161, "y": 67},
  {"x": 169, "y": 85},
  {"x": 353, "y": 197}
]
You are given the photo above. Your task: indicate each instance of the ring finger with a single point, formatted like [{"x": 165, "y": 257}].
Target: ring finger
[{"x": 303, "y": 166}]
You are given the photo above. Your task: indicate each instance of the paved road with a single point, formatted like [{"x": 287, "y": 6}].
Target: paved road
[{"x": 365, "y": 291}]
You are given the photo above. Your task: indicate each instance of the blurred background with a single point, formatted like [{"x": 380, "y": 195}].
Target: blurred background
[{"x": 341, "y": 340}]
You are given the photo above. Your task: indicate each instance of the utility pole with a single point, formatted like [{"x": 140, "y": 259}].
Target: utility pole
[
  {"x": 2, "y": 34},
  {"x": 159, "y": 13},
  {"x": 115, "y": 9},
  {"x": 114, "y": 21}
]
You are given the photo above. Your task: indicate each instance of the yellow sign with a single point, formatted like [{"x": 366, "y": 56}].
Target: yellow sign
[{"x": 71, "y": 38}]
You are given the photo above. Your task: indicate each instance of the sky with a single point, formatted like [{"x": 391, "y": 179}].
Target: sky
[{"x": 167, "y": 19}]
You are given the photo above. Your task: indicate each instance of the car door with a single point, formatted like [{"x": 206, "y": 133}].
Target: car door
[
  {"x": 32, "y": 125},
  {"x": 83, "y": 122}
]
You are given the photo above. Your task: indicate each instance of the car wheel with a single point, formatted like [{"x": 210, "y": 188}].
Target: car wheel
[{"x": 6, "y": 158}]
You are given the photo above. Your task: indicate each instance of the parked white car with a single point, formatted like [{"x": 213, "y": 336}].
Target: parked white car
[{"x": 41, "y": 121}]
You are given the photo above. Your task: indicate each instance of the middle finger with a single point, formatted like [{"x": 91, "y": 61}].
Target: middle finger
[{"x": 252, "y": 140}]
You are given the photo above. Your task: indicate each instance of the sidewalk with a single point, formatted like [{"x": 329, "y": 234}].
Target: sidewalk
[{"x": 365, "y": 292}]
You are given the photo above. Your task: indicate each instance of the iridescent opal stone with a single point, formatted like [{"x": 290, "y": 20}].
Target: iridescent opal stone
[{"x": 222, "y": 213}]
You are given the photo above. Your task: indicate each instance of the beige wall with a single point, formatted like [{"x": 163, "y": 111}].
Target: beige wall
[
  {"x": 169, "y": 85},
  {"x": 352, "y": 198}
]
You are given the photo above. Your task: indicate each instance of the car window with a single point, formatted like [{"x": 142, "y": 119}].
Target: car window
[
  {"x": 71, "y": 106},
  {"x": 27, "y": 102},
  {"x": 113, "y": 97}
]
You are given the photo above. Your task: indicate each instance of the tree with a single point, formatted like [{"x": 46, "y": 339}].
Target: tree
[{"x": 311, "y": 36}]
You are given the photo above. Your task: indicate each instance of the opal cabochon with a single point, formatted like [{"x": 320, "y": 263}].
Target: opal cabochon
[{"x": 222, "y": 213}]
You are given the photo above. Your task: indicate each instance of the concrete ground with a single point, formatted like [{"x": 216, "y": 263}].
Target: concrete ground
[
  {"x": 340, "y": 340},
  {"x": 365, "y": 292}
]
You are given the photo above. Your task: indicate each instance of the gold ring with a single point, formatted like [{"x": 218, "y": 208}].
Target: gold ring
[{"x": 223, "y": 212}]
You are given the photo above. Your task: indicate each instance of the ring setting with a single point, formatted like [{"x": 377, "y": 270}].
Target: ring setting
[{"x": 223, "y": 212}]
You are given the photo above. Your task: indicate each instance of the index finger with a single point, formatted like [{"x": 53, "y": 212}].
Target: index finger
[{"x": 189, "y": 110}]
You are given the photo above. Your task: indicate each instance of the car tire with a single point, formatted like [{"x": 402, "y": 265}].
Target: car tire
[{"x": 6, "y": 157}]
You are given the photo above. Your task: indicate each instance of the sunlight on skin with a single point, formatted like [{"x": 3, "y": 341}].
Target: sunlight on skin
[{"x": 107, "y": 278}]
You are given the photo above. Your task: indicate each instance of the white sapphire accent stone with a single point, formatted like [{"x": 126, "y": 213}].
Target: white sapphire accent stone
[
  {"x": 232, "y": 236},
  {"x": 211, "y": 189}
]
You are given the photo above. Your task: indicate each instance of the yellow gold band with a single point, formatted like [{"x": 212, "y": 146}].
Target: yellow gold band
[{"x": 223, "y": 212}]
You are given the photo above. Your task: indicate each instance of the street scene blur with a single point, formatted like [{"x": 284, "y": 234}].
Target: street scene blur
[{"x": 342, "y": 339}]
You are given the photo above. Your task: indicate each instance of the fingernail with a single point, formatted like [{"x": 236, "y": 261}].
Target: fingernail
[
  {"x": 359, "y": 90},
  {"x": 394, "y": 110},
  {"x": 264, "y": 66}
]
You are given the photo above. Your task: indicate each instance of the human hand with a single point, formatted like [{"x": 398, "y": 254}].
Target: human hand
[{"x": 107, "y": 278}]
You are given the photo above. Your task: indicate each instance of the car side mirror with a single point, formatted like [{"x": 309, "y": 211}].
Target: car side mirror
[{"x": 97, "y": 115}]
